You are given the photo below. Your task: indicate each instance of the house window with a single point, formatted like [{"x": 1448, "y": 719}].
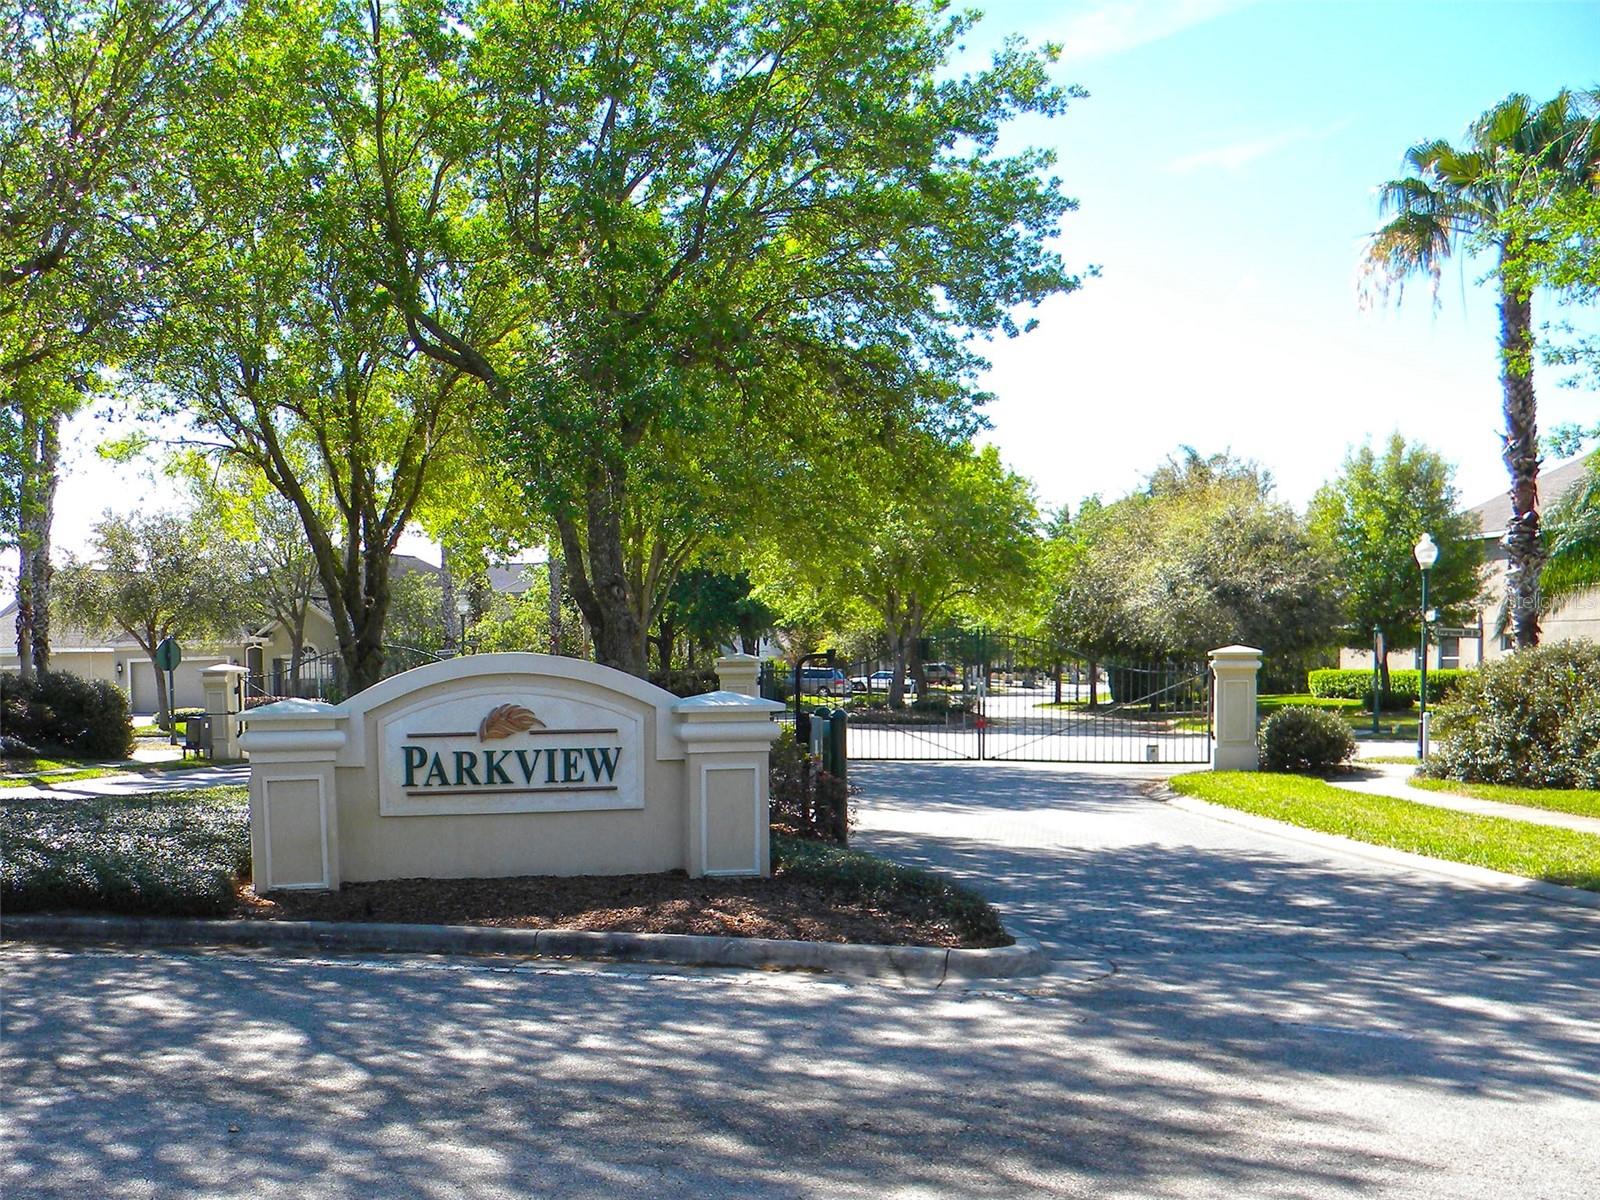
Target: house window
[
  {"x": 1449, "y": 653},
  {"x": 1505, "y": 641}
]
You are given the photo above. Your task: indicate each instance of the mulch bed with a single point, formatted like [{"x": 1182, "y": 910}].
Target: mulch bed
[{"x": 669, "y": 903}]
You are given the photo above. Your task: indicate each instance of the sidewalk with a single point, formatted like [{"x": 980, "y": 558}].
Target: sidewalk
[
  {"x": 132, "y": 784},
  {"x": 1389, "y": 779}
]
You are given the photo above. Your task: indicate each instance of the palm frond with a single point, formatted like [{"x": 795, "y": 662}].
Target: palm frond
[{"x": 1571, "y": 529}]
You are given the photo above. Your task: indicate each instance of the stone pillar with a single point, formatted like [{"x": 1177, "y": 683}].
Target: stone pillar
[
  {"x": 294, "y": 820},
  {"x": 740, "y": 673},
  {"x": 222, "y": 687},
  {"x": 726, "y": 739},
  {"x": 1233, "y": 691}
]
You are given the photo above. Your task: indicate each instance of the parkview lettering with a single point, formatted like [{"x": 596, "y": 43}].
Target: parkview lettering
[{"x": 571, "y": 768}]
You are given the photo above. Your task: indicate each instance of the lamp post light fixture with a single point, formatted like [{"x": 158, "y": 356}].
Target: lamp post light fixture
[
  {"x": 463, "y": 607},
  {"x": 1426, "y": 552}
]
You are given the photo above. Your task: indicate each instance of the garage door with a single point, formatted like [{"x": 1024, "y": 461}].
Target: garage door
[{"x": 191, "y": 692}]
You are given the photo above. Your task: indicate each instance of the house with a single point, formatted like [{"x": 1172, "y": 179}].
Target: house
[
  {"x": 1577, "y": 618},
  {"x": 265, "y": 652}
]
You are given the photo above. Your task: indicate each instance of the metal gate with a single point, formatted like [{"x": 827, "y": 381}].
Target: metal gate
[{"x": 1007, "y": 698}]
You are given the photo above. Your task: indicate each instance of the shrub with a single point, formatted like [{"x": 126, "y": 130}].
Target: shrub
[
  {"x": 15, "y": 749},
  {"x": 1330, "y": 684},
  {"x": 804, "y": 799},
  {"x": 171, "y": 853},
  {"x": 1305, "y": 739},
  {"x": 878, "y": 882},
  {"x": 692, "y": 682},
  {"x": 1530, "y": 720},
  {"x": 1405, "y": 687},
  {"x": 64, "y": 713}
]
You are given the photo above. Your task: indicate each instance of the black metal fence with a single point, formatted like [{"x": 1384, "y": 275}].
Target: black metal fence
[
  {"x": 323, "y": 677},
  {"x": 1003, "y": 697}
]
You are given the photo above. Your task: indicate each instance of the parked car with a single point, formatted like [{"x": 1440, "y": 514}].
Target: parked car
[
  {"x": 941, "y": 672},
  {"x": 878, "y": 681},
  {"x": 823, "y": 681}
]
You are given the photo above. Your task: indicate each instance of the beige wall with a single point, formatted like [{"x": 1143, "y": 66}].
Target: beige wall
[
  {"x": 688, "y": 791},
  {"x": 454, "y": 845}
]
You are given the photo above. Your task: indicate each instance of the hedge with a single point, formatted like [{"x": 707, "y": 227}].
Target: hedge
[
  {"x": 1404, "y": 686},
  {"x": 1529, "y": 720},
  {"x": 165, "y": 853},
  {"x": 60, "y": 712}
]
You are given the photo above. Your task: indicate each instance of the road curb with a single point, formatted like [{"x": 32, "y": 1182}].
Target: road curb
[
  {"x": 1416, "y": 863},
  {"x": 909, "y": 964}
]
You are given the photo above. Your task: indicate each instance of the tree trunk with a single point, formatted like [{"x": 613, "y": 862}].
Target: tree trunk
[
  {"x": 1524, "y": 554},
  {"x": 164, "y": 705},
  {"x": 1094, "y": 684},
  {"x": 665, "y": 635},
  {"x": 599, "y": 580},
  {"x": 36, "y": 495},
  {"x": 897, "y": 676},
  {"x": 555, "y": 601},
  {"x": 455, "y": 632},
  {"x": 916, "y": 669}
]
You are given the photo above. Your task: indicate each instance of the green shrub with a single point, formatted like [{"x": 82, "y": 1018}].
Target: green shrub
[
  {"x": 1305, "y": 739},
  {"x": 1405, "y": 687},
  {"x": 63, "y": 713},
  {"x": 804, "y": 799},
  {"x": 687, "y": 682},
  {"x": 1530, "y": 720},
  {"x": 14, "y": 749},
  {"x": 168, "y": 853}
]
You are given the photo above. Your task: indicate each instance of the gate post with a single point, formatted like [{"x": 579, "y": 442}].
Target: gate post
[
  {"x": 1233, "y": 699},
  {"x": 740, "y": 673}
]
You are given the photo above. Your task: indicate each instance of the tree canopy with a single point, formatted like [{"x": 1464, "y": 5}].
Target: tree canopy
[
  {"x": 1369, "y": 518},
  {"x": 1202, "y": 556}
]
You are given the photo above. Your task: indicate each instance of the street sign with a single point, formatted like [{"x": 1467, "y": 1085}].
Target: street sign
[
  {"x": 1444, "y": 632},
  {"x": 168, "y": 654}
]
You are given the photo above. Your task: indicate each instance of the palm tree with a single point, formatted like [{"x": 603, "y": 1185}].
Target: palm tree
[{"x": 1453, "y": 197}]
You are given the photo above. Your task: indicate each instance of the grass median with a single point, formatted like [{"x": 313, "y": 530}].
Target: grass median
[
  {"x": 1501, "y": 844},
  {"x": 1577, "y": 801},
  {"x": 188, "y": 854}
]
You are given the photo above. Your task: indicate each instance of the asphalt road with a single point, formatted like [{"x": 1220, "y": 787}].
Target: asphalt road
[{"x": 1233, "y": 1015}]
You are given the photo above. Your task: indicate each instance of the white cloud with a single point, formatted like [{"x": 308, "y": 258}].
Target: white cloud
[
  {"x": 1105, "y": 27},
  {"x": 1234, "y": 155}
]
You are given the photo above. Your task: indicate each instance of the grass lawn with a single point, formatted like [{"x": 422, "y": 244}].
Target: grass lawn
[
  {"x": 1534, "y": 851},
  {"x": 172, "y": 853},
  {"x": 1390, "y": 725},
  {"x": 1568, "y": 800}
]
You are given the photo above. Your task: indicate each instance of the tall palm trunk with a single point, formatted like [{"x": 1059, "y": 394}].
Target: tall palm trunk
[{"x": 1524, "y": 553}]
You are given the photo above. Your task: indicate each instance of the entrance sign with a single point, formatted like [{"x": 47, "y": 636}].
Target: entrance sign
[
  {"x": 576, "y": 756},
  {"x": 507, "y": 764}
]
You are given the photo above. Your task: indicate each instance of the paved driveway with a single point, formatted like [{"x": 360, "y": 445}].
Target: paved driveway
[
  {"x": 1093, "y": 867},
  {"x": 1234, "y": 1016}
]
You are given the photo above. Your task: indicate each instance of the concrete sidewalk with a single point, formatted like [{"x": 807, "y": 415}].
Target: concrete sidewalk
[
  {"x": 133, "y": 784},
  {"x": 1389, "y": 779}
]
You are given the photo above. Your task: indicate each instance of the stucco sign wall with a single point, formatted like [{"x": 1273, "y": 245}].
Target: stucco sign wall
[{"x": 507, "y": 764}]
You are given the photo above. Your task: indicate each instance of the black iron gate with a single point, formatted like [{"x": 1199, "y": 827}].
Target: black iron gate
[{"x": 1003, "y": 697}]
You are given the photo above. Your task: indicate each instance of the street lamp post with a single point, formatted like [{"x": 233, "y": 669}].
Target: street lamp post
[
  {"x": 1427, "y": 553},
  {"x": 463, "y": 607}
]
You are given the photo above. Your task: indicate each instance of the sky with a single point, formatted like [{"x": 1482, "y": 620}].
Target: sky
[{"x": 1225, "y": 165}]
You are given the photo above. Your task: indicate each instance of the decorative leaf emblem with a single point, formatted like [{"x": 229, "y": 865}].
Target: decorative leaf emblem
[{"x": 507, "y": 719}]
